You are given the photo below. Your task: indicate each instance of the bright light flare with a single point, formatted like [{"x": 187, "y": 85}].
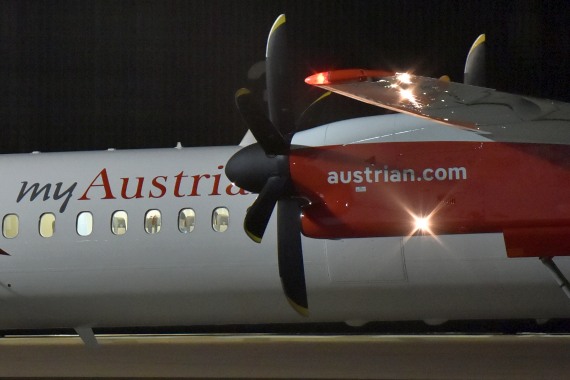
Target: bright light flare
[
  {"x": 318, "y": 79},
  {"x": 408, "y": 95},
  {"x": 421, "y": 224},
  {"x": 405, "y": 78}
]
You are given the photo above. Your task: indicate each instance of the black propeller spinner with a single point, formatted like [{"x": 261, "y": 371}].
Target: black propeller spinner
[{"x": 263, "y": 168}]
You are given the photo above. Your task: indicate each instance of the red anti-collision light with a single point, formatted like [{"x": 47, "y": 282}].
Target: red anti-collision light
[
  {"x": 341, "y": 76},
  {"x": 318, "y": 79}
]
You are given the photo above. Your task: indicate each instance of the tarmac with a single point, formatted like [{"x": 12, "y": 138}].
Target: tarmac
[{"x": 269, "y": 356}]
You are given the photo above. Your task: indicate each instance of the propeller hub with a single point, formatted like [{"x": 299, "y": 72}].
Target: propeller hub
[{"x": 250, "y": 168}]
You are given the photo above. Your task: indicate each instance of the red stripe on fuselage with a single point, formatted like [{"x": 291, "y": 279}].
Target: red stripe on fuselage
[{"x": 365, "y": 190}]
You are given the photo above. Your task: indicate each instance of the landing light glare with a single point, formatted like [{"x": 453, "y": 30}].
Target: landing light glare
[{"x": 422, "y": 224}]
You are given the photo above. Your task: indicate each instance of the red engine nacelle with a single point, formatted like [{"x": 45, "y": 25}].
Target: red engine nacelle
[{"x": 400, "y": 189}]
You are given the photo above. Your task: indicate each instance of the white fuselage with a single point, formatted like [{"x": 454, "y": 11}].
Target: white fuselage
[{"x": 207, "y": 277}]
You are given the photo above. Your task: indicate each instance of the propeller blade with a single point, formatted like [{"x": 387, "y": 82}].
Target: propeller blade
[
  {"x": 290, "y": 254},
  {"x": 266, "y": 134},
  {"x": 264, "y": 168},
  {"x": 278, "y": 78},
  {"x": 474, "y": 72},
  {"x": 310, "y": 116},
  {"x": 259, "y": 213}
]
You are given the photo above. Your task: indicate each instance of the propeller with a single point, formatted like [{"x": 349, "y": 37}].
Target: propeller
[{"x": 263, "y": 168}]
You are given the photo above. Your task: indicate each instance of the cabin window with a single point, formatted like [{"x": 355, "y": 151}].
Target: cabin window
[
  {"x": 186, "y": 220},
  {"x": 152, "y": 221},
  {"x": 47, "y": 225},
  {"x": 10, "y": 226},
  {"x": 119, "y": 222},
  {"x": 220, "y": 219},
  {"x": 84, "y": 223}
]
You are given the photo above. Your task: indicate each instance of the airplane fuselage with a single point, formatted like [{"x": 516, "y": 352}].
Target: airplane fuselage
[{"x": 178, "y": 254}]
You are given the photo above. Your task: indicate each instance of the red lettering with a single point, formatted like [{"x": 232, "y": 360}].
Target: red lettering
[
  {"x": 239, "y": 192},
  {"x": 197, "y": 179},
  {"x": 178, "y": 177},
  {"x": 217, "y": 178},
  {"x": 104, "y": 183},
  {"x": 138, "y": 194},
  {"x": 158, "y": 186}
]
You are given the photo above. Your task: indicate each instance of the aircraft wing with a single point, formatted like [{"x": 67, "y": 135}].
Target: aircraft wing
[{"x": 507, "y": 116}]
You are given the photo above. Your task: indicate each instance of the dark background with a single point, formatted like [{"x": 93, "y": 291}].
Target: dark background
[{"x": 79, "y": 75}]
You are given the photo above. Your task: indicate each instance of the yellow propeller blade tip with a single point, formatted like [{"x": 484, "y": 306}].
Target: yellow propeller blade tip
[
  {"x": 481, "y": 39},
  {"x": 303, "y": 311},
  {"x": 252, "y": 236},
  {"x": 242, "y": 91},
  {"x": 278, "y": 22}
]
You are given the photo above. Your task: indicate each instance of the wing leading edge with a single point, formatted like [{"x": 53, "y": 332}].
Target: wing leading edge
[{"x": 482, "y": 110}]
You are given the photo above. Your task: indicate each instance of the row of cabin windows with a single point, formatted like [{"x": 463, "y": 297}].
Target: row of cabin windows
[{"x": 119, "y": 222}]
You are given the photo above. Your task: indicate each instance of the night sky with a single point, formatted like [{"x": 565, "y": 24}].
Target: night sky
[{"x": 83, "y": 75}]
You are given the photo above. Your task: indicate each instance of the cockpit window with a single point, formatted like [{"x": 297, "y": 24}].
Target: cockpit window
[
  {"x": 119, "y": 222},
  {"x": 220, "y": 219},
  {"x": 186, "y": 220},
  {"x": 10, "y": 226},
  {"x": 47, "y": 225},
  {"x": 152, "y": 222}
]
